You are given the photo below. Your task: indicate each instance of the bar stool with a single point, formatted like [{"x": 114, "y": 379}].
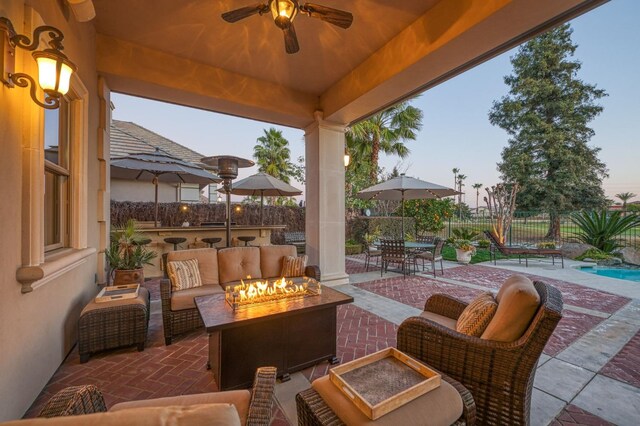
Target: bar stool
[
  {"x": 175, "y": 241},
  {"x": 246, "y": 240},
  {"x": 211, "y": 241},
  {"x": 142, "y": 242}
]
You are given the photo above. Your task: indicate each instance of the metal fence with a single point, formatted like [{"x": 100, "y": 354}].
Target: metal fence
[{"x": 529, "y": 227}]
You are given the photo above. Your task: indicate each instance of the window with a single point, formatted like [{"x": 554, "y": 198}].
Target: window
[
  {"x": 190, "y": 192},
  {"x": 213, "y": 193},
  {"x": 56, "y": 177}
]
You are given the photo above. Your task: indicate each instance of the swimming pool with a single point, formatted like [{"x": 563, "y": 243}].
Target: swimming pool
[{"x": 628, "y": 273}]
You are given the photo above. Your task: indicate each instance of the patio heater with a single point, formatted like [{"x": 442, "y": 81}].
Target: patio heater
[{"x": 227, "y": 166}]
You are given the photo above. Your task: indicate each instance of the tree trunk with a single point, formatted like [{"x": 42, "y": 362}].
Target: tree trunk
[
  {"x": 375, "y": 154},
  {"x": 554, "y": 227}
]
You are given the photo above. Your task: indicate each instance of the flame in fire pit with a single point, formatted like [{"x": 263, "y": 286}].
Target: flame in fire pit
[{"x": 251, "y": 293}]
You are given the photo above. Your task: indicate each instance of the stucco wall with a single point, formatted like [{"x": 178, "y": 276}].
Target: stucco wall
[
  {"x": 38, "y": 329},
  {"x": 128, "y": 190}
]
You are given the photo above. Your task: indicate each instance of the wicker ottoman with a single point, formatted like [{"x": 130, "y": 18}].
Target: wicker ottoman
[{"x": 109, "y": 325}]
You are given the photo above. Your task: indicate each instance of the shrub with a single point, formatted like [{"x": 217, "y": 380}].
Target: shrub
[
  {"x": 464, "y": 245},
  {"x": 603, "y": 229},
  {"x": 546, "y": 245},
  {"x": 352, "y": 247},
  {"x": 465, "y": 233},
  {"x": 484, "y": 243},
  {"x": 595, "y": 254}
]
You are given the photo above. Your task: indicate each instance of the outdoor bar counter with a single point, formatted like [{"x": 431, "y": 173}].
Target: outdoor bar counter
[{"x": 194, "y": 236}]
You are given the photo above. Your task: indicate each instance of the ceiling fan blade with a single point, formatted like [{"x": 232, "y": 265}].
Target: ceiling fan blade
[
  {"x": 244, "y": 12},
  {"x": 290, "y": 39},
  {"x": 333, "y": 16}
]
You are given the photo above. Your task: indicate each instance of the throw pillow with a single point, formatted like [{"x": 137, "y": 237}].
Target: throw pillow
[
  {"x": 477, "y": 315},
  {"x": 293, "y": 266},
  {"x": 184, "y": 274}
]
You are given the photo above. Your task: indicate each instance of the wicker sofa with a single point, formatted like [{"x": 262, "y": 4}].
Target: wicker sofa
[
  {"x": 70, "y": 406},
  {"x": 219, "y": 269},
  {"x": 499, "y": 374}
]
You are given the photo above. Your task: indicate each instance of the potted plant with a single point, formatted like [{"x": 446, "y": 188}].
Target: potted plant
[
  {"x": 125, "y": 256},
  {"x": 464, "y": 250}
]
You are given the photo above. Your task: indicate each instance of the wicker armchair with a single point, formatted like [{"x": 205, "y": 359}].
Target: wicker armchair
[
  {"x": 87, "y": 399},
  {"x": 498, "y": 374}
]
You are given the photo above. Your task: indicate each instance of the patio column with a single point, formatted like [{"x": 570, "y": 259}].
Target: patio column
[{"x": 324, "y": 195}]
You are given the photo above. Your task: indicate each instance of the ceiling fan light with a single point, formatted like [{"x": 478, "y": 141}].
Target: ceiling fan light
[{"x": 284, "y": 9}]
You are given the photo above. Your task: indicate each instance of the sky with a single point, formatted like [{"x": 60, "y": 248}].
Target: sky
[{"x": 456, "y": 113}]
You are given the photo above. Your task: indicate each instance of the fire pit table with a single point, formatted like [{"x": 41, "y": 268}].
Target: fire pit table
[{"x": 289, "y": 334}]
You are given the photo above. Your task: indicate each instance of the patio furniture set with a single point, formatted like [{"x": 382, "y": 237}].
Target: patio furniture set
[
  {"x": 485, "y": 351},
  {"x": 406, "y": 254}
]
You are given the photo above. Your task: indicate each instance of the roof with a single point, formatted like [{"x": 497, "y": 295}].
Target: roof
[{"x": 128, "y": 138}]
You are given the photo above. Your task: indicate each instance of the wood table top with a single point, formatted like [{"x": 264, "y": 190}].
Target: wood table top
[{"x": 218, "y": 315}]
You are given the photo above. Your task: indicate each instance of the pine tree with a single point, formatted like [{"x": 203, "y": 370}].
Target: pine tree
[{"x": 546, "y": 115}]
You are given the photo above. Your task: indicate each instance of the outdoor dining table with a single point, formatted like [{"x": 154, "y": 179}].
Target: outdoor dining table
[{"x": 411, "y": 245}]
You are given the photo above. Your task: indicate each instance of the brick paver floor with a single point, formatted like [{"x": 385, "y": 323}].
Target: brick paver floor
[
  {"x": 625, "y": 366},
  {"x": 160, "y": 370},
  {"x": 572, "y": 294},
  {"x": 573, "y": 416},
  {"x": 415, "y": 290}
]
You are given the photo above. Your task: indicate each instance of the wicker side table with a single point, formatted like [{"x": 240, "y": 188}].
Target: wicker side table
[
  {"x": 312, "y": 410},
  {"x": 113, "y": 324}
]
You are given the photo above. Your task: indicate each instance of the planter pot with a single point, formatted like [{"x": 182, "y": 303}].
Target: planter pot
[
  {"x": 463, "y": 256},
  {"x": 353, "y": 249},
  {"x": 128, "y": 276}
]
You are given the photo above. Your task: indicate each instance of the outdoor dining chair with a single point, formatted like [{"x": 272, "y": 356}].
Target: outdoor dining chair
[
  {"x": 371, "y": 252},
  {"x": 393, "y": 251},
  {"x": 433, "y": 256}
]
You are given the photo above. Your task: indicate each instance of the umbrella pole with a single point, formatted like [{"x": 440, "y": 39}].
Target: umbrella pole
[
  {"x": 403, "y": 215},
  {"x": 228, "y": 191},
  {"x": 155, "y": 217},
  {"x": 261, "y": 205}
]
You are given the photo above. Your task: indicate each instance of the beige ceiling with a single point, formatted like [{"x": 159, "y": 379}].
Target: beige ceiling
[
  {"x": 254, "y": 46},
  {"x": 181, "y": 51}
]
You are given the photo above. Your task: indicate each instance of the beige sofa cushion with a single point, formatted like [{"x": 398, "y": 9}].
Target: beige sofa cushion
[
  {"x": 475, "y": 318},
  {"x": 239, "y": 398},
  {"x": 237, "y": 263},
  {"x": 440, "y": 319},
  {"x": 517, "y": 305},
  {"x": 141, "y": 299},
  {"x": 271, "y": 259},
  {"x": 442, "y": 406},
  {"x": 184, "y": 299},
  {"x": 193, "y": 415},
  {"x": 207, "y": 262}
]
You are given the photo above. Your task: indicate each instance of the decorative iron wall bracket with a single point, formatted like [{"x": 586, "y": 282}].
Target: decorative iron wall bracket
[{"x": 10, "y": 40}]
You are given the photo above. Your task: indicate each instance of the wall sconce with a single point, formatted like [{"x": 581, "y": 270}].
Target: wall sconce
[
  {"x": 54, "y": 68},
  {"x": 219, "y": 199}
]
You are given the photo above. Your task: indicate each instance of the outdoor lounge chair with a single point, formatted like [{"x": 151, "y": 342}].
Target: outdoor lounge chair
[
  {"x": 499, "y": 374},
  {"x": 256, "y": 406},
  {"x": 521, "y": 252}
]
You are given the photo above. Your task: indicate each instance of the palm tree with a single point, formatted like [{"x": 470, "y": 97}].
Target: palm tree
[
  {"x": 455, "y": 171},
  {"x": 386, "y": 131},
  {"x": 624, "y": 197},
  {"x": 272, "y": 155},
  {"x": 477, "y": 187},
  {"x": 461, "y": 179}
]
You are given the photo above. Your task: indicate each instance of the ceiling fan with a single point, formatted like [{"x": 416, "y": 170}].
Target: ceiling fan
[{"x": 285, "y": 11}]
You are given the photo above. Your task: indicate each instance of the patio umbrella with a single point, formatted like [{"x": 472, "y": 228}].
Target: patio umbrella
[
  {"x": 159, "y": 167},
  {"x": 263, "y": 184},
  {"x": 402, "y": 188}
]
